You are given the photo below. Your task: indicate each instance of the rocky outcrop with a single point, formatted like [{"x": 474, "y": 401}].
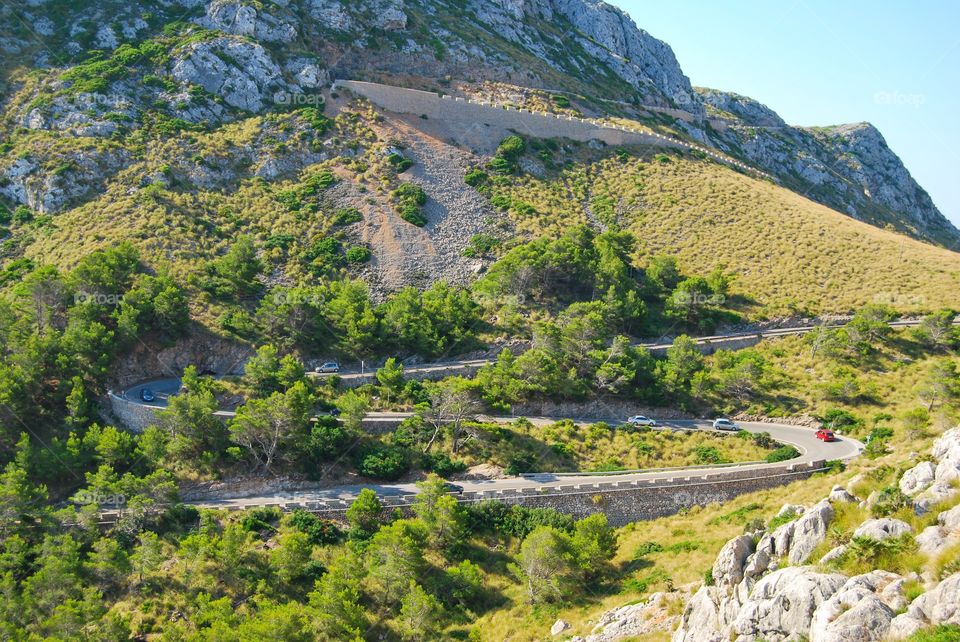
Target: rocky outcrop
[
  {"x": 918, "y": 478},
  {"x": 652, "y": 614},
  {"x": 847, "y": 167},
  {"x": 941, "y": 605},
  {"x": 241, "y": 19},
  {"x": 240, "y": 72},
  {"x": 752, "y": 598},
  {"x": 860, "y": 610},
  {"x": 605, "y": 32},
  {"x": 740, "y": 109},
  {"x": 932, "y": 482}
]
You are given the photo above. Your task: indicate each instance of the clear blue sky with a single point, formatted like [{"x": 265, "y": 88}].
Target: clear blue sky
[{"x": 895, "y": 64}]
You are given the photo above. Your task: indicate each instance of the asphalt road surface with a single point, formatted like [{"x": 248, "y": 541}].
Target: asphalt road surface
[{"x": 811, "y": 448}]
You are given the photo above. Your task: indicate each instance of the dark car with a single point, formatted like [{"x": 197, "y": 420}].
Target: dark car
[
  {"x": 147, "y": 395},
  {"x": 453, "y": 488}
]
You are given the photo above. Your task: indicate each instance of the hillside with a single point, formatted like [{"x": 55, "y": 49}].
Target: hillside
[{"x": 486, "y": 211}]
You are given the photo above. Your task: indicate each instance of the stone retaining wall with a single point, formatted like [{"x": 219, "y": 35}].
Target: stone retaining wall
[
  {"x": 133, "y": 415},
  {"x": 621, "y": 502},
  {"x": 536, "y": 124}
]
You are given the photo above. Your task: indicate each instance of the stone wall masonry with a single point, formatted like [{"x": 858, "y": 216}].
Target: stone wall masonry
[
  {"x": 621, "y": 502},
  {"x": 135, "y": 416},
  {"x": 536, "y": 124}
]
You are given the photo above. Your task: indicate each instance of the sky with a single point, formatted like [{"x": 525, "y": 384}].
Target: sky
[{"x": 895, "y": 64}]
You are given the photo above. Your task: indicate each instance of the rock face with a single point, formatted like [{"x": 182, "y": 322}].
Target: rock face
[
  {"x": 932, "y": 482},
  {"x": 784, "y": 602},
  {"x": 642, "y": 618},
  {"x": 753, "y": 599},
  {"x": 240, "y": 72},
  {"x": 257, "y": 54},
  {"x": 847, "y": 167}
]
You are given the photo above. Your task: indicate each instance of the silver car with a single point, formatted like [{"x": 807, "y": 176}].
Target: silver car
[
  {"x": 330, "y": 367},
  {"x": 724, "y": 424}
]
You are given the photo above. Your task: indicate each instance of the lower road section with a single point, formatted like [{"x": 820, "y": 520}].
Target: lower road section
[{"x": 677, "y": 486}]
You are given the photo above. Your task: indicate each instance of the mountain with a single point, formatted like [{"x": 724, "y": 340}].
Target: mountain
[
  {"x": 847, "y": 167},
  {"x": 122, "y": 119}
]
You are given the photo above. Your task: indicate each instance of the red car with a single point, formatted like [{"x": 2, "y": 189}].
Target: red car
[{"x": 826, "y": 435}]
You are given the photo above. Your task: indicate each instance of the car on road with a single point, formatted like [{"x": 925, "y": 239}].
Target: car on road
[
  {"x": 453, "y": 488},
  {"x": 722, "y": 423},
  {"x": 826, "y": 435},
  {"x": 147, "y": 395},
  {"x": 640, "y": 420},
  {"x": 330, "y": 367}
]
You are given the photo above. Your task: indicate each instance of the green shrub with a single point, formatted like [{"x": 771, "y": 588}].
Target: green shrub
[
  {"x": 399, "y": 163},
  {"x": 481, "y": 244},
  {"x": 783, "y": 453},
  {"x": 358, "y": 254},
  {"x": 441, "y": 464},
  {"x": 476, "y": 177},
  {"x": 261, "y": 519},
  {"x": 410, "y": 199},
  {"x": 941, "y": 633},
  {"x": 347, "y": 216},
  {"x": 320, "y": 531},
  {"x": 383, "y": 462},
  {"x": 561, "y": 101},
  {"x": 511, "y": 148},
  {"x": 708, "y": 455}
]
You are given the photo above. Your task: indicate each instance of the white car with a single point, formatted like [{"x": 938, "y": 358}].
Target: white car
[
  {"x": 330, "y": 367},
  {"x": 640, "y": 420},
  {"x": 724, "y": 424}
]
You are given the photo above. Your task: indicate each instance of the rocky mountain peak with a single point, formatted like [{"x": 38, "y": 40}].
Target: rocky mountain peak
[{"x": 745, "y": 109}]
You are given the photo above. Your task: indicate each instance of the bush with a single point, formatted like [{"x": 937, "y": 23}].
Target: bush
[
  {"x": 261, "y": 519},
  {"x": 410, "y": 199},
  {"x": 320, "y": 531},
  {"x": 399, "y": 163},
  {"x": 441, "y": 464},
  {"x": 521, "y": 463},
  {"x": 783, "y": 453},
  {"x": 511, "y": 148},
  {"x": 476, "y": 177},
  {"x": 358, "y": 254},
  {"x": 517, "y": 521},
  {"x": 941, "y": 633},
  {"x": 481, "y": 244},
  {"x": 383, "y": 462},
  {"x": 708, "y": 455},
  {"x": 347, "y": 215}
]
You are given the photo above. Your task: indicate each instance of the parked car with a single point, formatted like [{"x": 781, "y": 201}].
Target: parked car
[
  {"x": 826, "y": 435},
  {"x": 640, "y": 420},
  {"x": 330, "y": 367},
  {"x": 722, "y": 423},
  {"x": 147, "y": 395}
]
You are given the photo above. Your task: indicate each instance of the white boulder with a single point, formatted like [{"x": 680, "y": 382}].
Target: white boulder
[
  {"x": 883, "y": 528},
  {"x": 918, "y": 478}
]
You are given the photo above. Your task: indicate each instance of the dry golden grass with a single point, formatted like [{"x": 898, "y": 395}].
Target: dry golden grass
[
  {"x": 789, "y": 254},
  {"x": 567, "y": 447}
]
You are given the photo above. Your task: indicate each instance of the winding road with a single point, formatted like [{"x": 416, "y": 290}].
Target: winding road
[{"x": 811, "y": 449}]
